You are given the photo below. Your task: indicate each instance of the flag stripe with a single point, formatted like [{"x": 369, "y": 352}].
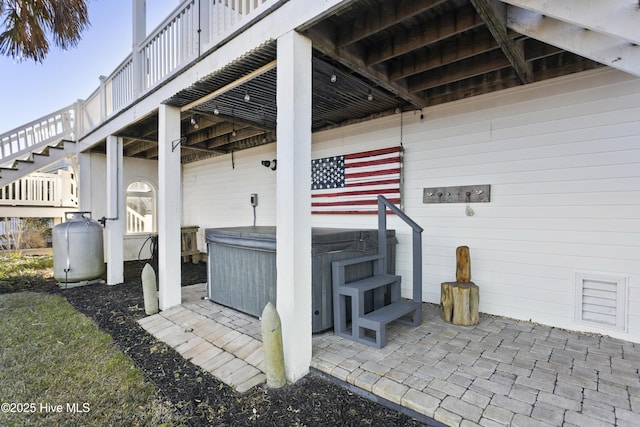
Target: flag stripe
[
  {"x": 351, "y": 183},
  {"x": 353, "y": 203},
  {"x": 382, "y": 182},
  {"x": 372, "y": 153},
  {"x": 357, "y": 193},
  {"x": 367, "y": 174}
]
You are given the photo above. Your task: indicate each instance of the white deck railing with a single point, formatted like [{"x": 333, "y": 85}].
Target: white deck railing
[
  {"x": 138, "y": 223},
  {"x": 42, "y": 189},
  {"x": 192, "y": 29}
]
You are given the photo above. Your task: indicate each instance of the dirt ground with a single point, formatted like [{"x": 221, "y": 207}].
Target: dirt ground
[{"x": 200, "y": 398}]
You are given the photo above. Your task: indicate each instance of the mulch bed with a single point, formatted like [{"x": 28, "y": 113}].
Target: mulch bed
[{"x": 199, "y": 397}]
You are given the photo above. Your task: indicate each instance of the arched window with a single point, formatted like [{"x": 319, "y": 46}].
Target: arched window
[{"x": 141, "y": 206}]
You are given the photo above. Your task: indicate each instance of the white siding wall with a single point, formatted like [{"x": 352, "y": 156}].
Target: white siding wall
[
  {"x": 217, "y": 191},
  {"x": 563, "y": 162},
  {"x": 134, "y": 170}
]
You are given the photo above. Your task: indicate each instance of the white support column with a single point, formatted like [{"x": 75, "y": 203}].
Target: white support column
[
  {"x": 205, "y": 24},
  {"x": 293, "y": 190},
  {"x": 139, "y": 18},
  {"x": 114, "y": 227},
  {"x": 169, "y": 207}
]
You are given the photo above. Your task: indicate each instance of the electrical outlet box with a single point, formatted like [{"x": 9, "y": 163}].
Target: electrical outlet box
[{"x": 254, "y": 199}]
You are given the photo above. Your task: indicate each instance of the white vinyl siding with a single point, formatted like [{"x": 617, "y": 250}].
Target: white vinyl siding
[{"x": 563, "y": 161}]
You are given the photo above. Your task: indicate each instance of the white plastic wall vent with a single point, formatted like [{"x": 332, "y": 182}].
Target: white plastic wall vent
[{"x": 601, "y": 300}]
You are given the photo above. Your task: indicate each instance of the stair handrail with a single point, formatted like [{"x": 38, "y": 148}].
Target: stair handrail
[
  {"x": 37, "y": 134},
  {"x": 383, "y": 205}
]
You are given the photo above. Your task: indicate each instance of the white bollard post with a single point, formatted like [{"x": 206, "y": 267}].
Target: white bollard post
[
  {"x": 149, "y": 290},
  {"x": 272, "y": 346}
]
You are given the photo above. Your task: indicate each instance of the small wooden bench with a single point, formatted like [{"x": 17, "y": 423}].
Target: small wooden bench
[{"x": 190, "y": 244}]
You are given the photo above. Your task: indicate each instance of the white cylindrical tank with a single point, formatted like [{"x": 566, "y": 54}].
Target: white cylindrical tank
[{"x": 78, "y": 254}]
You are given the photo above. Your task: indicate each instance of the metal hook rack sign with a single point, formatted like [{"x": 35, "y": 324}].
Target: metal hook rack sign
[{"x": 457, "y": 194}]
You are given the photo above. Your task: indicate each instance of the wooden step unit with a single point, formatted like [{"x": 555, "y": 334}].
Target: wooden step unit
[
  {"x": 368, "y": 324},
  {"x": 377, "y": 320}
]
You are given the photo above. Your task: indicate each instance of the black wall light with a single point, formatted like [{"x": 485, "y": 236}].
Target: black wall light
[{"x": 273, "y": 164}]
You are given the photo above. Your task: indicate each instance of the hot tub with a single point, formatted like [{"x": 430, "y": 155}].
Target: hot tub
[{"x": 242, "y": 266}]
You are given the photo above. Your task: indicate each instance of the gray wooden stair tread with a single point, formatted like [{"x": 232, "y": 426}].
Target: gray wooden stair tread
[
  {"x": 388, "y": 313},
  {"x": 370, "y": 283},
  {"x": 356, "y": 260}
]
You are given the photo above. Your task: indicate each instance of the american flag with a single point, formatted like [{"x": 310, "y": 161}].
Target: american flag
[{"x": 350, "y": 184}]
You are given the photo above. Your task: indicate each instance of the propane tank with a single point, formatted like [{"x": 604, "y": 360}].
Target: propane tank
[{"x": 78, "y": 253}]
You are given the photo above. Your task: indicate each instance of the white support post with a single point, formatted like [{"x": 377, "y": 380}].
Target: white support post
[
  {"x": 114, "y": 226},
  {"x": 204, "y": 32},
  {"x": 169, "y": 206},
  {"x": 139, "y": 18},
  {"x": 103, "y": 98},
  {"x": 293, "y": 189}
]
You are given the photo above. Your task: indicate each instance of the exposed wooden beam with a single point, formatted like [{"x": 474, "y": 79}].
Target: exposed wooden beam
[
  {"x": 535, "y": 50},
  {"x": 603, "y": 48},
  {"x": 140, "y": 147},
  {"x": 354, "y": 61},
  {"x": 152, "y": 153},
  {"x": 618, "y": 18},
  {"x": 453, "y": 51},
  {"x": 228, "y": 138},
  {"x": 204, "y": 150},
  {"x": 459, "y": 71},
  {"x": 388, "y": 14},
  {"x": 138, "y": 138},
  {"x": 431, "y": 32},
  {"x": 479, "y": 85},
  {"x": 545, "y": 68},
  {"x": 494, "y": 14}
]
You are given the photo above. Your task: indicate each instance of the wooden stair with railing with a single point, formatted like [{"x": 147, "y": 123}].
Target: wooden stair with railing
[
  {"x": 36, "y": 145},
  {"x": 35, "y": 161},
  {"x": 376, "y": 301}
]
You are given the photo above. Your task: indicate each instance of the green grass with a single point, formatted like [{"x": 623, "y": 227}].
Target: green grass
[
  {"x": 23, "y": 272},
  {"x": 51, "y": 353}
]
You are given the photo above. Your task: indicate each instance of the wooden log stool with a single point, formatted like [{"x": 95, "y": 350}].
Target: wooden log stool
[{"x": 460, "y": 299}]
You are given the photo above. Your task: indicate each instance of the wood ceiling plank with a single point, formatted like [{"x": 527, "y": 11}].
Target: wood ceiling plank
[
  {"x": 480, "y": 85},
  {"x": 439, "y": 29},
  {"x": 139, "y": 147},
  {"x": 347, "y": 57},
  {"x": 388, "y": 14},
  {"x": 459, "y": 71},
  {"x": 450, "y": 52}
]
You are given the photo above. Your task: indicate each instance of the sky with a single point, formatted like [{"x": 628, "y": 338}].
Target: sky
[{"x": 31, "y": 90}]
